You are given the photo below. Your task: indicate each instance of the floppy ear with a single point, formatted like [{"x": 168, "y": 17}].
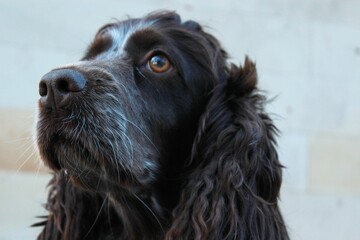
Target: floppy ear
[
  {"x": 73, "y": 213},
  {"x": 235, "y": 176}
]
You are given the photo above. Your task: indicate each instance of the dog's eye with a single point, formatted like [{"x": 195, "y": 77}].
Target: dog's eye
[{"x": 159, "y": 63}]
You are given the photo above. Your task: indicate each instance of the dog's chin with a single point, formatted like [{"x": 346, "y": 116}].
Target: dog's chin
[
  {"x": 91, "y": 181},
  {"x": 89, "y": 171}
]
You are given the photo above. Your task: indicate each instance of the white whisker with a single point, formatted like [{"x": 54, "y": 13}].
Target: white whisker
[
  {"x": 97, "y": 216},
  {"x": 141, "y": 131},
  {"x": 24, "y": 162},
  {"x": 149, "y": 209}
]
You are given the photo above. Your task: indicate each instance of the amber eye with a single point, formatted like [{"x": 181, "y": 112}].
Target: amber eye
[{"x": 159, "y": 63}]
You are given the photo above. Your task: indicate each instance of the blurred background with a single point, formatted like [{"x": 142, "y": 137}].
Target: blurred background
[{"x": 308, "y": 58}]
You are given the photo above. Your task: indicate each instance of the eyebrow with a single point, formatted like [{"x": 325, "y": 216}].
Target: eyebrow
[
  {"x": 146, "y": 39},
  {"x": 105, "y": 27},
  {"x": 100, "y": 44}
]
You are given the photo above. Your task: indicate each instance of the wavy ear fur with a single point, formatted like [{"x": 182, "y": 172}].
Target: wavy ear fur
[
  {"x": 69, "y": 206},
  {"x": 233, "y": 191}
]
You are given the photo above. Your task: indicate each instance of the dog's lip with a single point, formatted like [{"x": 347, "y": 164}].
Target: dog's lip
[
  {"x": 75, "y": 172},
  {"x": 79, "y": 181},
  {"x": 69, "y": 175},
  {"x": 72, "y": 177}
]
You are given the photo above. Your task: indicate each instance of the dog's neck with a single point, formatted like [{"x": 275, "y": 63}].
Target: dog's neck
[
  {"x": 140, "y": 213},
  {"x": 152, "y": 205}
]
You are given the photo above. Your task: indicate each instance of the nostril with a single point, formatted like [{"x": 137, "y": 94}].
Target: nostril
[
  {"x": 58, "y": 87},
  {"x": 70, "y": 81},
  {"x": 62, "y": 85},
  {"x": 43, "y": 89}
]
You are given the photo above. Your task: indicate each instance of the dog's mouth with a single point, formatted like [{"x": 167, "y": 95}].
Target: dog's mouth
[
  {"x": 62, "y": 154},
  {"x": 86, "y": 166}
]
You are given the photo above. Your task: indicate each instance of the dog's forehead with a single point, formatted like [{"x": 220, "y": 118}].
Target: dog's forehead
[
  {"x": 122, "y": 31},
  {"x": 110, "y": 41}
]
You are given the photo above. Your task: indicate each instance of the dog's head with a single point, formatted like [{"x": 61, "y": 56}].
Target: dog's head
[
  {"x": 155, "y": 118},
  {"x": 131, "y": 106}
]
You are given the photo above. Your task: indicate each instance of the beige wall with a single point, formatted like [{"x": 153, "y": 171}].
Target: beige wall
[
  {"x": 17, "y": 148},
  {"x": 307, "y": 53}
]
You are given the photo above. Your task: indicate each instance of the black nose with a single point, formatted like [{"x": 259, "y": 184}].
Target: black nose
[{"x": 58, "y": 87}]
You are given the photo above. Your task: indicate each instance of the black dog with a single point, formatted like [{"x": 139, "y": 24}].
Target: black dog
[{"x": 154, "y": 135}]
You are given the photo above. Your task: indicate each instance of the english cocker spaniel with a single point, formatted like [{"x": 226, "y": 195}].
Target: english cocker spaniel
[{"x": 153, "y": 134}]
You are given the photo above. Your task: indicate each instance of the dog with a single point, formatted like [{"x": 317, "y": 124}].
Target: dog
[{"x": 153, "y": 134}]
